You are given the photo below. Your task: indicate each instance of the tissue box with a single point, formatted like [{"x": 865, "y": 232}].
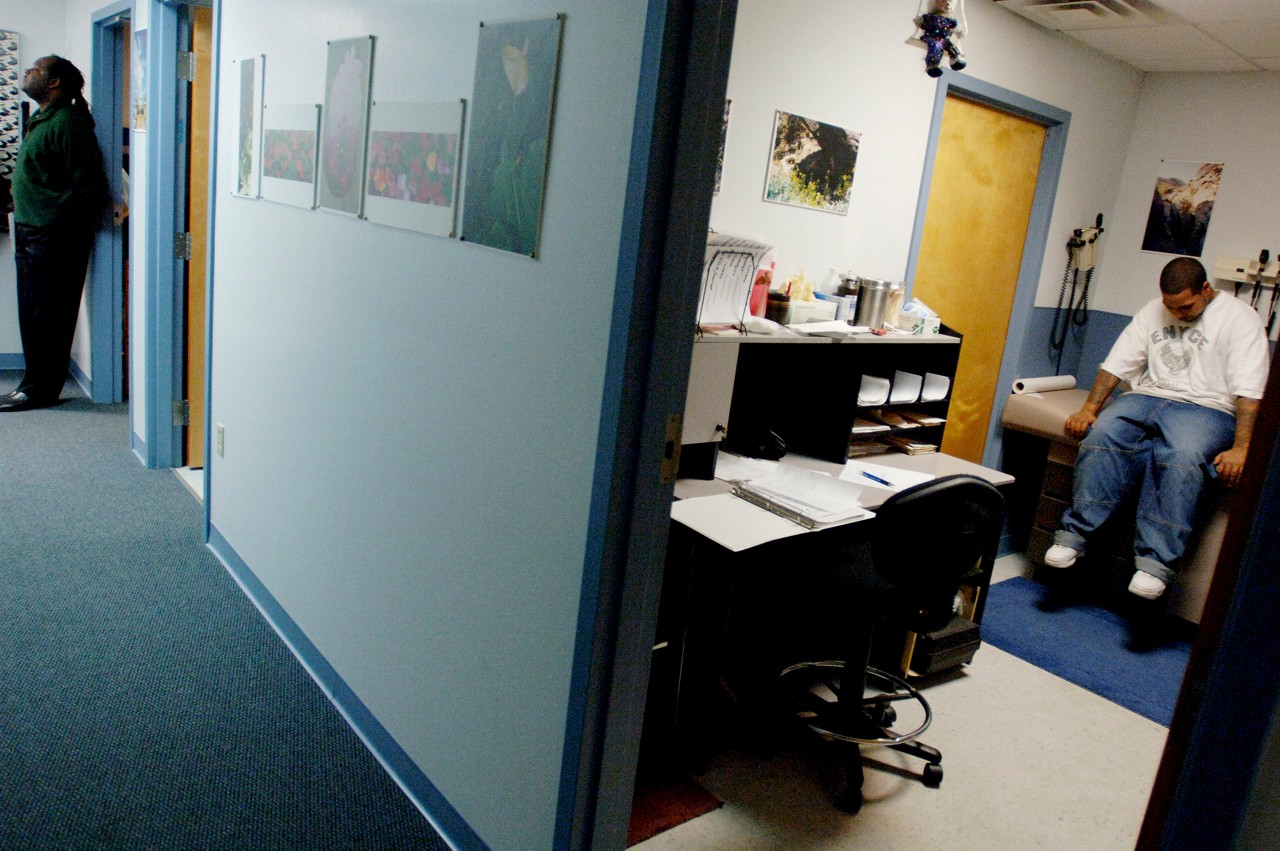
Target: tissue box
[{"x": 812, "y": 311}]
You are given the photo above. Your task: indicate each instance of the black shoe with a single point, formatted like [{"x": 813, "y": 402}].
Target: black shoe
[{"x": 20, "y": 401}]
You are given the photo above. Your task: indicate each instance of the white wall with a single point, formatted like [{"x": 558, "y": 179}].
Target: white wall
[
  {"x": 1226, "y": 118},
  {"x": 41, "y": 27},
  {"x": 847, "y": 62},
  {"x": 411, "y": 421}
]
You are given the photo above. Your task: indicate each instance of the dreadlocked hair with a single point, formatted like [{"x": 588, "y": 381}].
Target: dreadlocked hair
[{"x": 72, "y": 81}]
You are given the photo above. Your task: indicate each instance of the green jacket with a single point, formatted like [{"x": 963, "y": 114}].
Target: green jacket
[{"x": 59, "y": 176}]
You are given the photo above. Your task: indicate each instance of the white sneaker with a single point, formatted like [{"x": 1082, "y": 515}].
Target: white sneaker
[
  {"x": 1145, "y": 585},
  {"x": 1060, "y": 556}
]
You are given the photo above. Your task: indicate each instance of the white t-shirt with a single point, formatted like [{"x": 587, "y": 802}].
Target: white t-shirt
[{"x": 1221, "y": 355}]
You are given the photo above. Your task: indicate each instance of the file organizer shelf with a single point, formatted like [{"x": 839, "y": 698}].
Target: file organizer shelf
[{"x": 808, "y": 395}]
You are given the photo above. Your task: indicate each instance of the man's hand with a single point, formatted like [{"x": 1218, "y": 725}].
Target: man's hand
[
  {"x": 1079, "y": 423},
  {"x": 1230, "y": 466}
]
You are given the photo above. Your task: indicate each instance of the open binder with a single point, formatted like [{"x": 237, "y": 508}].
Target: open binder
[{"x": 806, "y": 498}]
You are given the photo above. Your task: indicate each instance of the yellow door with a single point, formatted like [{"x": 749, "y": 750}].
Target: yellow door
[
  {"x": 984, "y": 181},
  {"x": 197, "y": 226}
]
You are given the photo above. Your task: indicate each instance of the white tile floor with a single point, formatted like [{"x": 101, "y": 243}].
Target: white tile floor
[
  {"x": 1031, "y": 761},
  {"x": 193, "y": 479}
]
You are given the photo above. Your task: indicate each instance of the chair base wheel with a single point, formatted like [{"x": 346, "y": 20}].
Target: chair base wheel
[{"x": 932, "y": 776}]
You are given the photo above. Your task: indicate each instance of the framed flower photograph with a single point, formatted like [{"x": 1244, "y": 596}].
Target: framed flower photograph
[
  {"x": 344, "y": 125},
  {"x": 290, "y": 136},
  {"x": 415, "y": 150},
  {"x": 510, "y": 135}
]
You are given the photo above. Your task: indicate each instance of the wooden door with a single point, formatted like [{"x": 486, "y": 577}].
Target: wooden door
[
  {"x": 197, "y": 226},
  {"x": 984, "y": 181}
]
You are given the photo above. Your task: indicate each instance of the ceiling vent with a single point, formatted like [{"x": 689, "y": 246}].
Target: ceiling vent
[{"x": 1065, "y": 15}]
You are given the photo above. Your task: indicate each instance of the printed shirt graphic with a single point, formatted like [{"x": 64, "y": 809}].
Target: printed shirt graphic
[{"x": 1221, "y": 355}]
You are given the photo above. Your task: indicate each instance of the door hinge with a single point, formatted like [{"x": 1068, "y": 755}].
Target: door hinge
[
  {"x": 187, "y": 66},
  {"x": 182, "y": 413},
  {"x": 182, "y": 246},
  {"x": 671, "y": 452}
]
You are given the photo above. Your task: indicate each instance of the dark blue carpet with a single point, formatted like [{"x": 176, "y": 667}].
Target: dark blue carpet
[
  {"x": 144, "y": 701},
  {"x": 1127, "y": 661}
]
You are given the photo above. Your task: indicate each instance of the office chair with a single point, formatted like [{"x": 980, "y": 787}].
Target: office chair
[{"x": 924, "y": 541}]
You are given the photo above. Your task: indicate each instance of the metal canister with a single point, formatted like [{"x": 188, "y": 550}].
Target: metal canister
[{"x": 873, "y": 300}]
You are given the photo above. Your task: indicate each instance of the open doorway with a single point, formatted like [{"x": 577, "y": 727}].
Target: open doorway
[{"x": 109, "y": 272}]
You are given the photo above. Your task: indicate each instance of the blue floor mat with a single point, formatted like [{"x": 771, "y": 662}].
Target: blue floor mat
[{"x": 1128, "y": 663}]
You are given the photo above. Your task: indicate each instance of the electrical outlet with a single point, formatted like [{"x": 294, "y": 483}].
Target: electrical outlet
[{"x": 220, "y": 440}]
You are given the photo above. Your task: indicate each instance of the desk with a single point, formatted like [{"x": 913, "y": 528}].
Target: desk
[{"x": 702, "y": 627}]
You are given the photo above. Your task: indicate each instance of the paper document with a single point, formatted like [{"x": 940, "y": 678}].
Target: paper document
[
  {"x": 873, "y": 390},
  {"x": 906, "y": 387},
  {"x": 862, "y": 426},
  {"x": 935, "y": 387},
  {"x": 882, "y": 476},
  {"x": 731, "y": 522},
  {"x": 830, "y": 328},
  {"x": 731, "y": 468},
  {"x": 728, "y": 272}
]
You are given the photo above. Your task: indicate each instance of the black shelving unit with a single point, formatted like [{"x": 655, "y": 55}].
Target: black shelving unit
[{"x": 808, "y": 394}]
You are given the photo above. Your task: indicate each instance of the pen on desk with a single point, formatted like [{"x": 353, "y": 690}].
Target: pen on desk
[{"x": 877, "y": 479}]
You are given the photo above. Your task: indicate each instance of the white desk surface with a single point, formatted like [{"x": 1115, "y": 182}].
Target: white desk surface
[{"x": 708, "y": 508}]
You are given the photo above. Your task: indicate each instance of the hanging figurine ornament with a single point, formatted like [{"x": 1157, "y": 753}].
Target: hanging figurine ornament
[{"x": 939, "y": 26}]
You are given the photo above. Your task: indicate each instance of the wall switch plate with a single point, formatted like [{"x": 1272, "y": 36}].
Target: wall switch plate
[{"x": 219, "y": 439}]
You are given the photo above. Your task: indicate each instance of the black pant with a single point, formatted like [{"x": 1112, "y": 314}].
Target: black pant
[{"x": 51, "y": 262}]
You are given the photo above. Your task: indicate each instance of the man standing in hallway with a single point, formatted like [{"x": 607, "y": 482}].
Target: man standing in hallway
[
  {"x": 1197, "y": 360},
  {"x": 59, "y": 201}
]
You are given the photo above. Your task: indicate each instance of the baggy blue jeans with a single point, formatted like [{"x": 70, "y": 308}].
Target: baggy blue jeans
[{"x": 1164, "y": 448}]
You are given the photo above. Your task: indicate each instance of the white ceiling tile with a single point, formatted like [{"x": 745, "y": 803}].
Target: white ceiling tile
[
  {"x": 1180, "y": 64},
  {"x": 1156, "y": 43},
  {"x": 1204, "y": 11},
  {"x": 1268, "y": 64},
  {"x": 1248, "y": 38}
]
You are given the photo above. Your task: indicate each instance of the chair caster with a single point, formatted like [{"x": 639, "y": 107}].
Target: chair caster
[{"x": 932, "y": 776}]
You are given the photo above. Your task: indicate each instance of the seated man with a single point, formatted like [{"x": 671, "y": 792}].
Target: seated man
[{"x": 1197, "y": 360}]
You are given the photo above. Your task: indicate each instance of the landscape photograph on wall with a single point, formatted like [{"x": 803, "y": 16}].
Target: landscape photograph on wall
[
  {"x": 812, "y": 164},
  {"x": 1181, "y": 207}
]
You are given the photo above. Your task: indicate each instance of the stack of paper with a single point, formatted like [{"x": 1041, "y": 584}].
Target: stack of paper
[
  {"x": 894, "y": 419},
  {"x": 923, "y": 419},
  {"x": 935, "y": 387},
  {"x": 862, "y": 426},
  {"x": 862, "y": 446},
  {"x": 906, "y": 387},
  {"x": 873, "y": 391},
  {"x": 911, "y": 447}
]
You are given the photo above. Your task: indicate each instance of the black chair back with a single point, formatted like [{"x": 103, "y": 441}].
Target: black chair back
[{"x": 930, "y": 536}]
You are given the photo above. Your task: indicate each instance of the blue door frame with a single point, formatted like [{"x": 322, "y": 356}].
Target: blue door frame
[
  {"x": 106, "y": 284},
  {"x": 1056, "y": 123}
]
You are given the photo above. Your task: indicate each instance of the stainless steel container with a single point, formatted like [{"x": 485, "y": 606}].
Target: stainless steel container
[{"x": 873, "y": 301}]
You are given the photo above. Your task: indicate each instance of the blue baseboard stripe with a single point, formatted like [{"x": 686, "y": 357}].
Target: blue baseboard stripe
[
  {"x": 10, "y": 360},
  {"x": 425, "y": 796}
]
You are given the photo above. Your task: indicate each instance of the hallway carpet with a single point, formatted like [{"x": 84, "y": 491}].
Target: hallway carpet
[{"x": 144, "y": 701}]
